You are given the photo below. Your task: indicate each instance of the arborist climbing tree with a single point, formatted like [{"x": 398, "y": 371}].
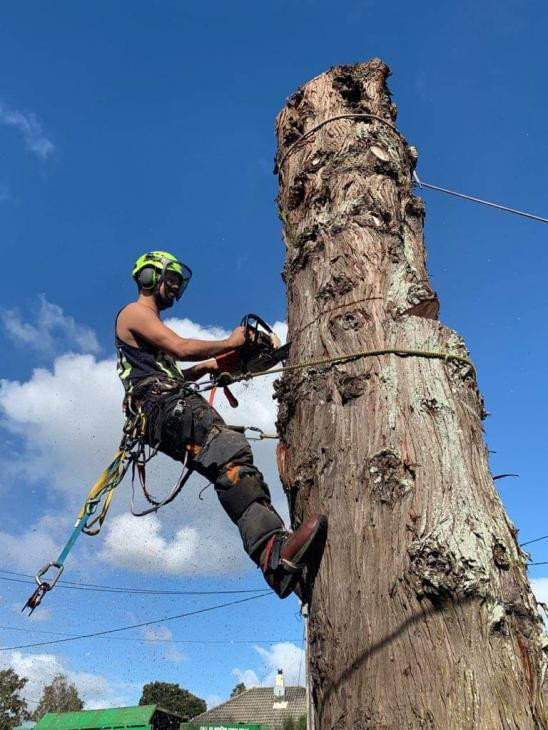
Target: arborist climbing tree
[
  {"x": 422, "y": 614},
  {"x": 166, "y": 412},
  {"x": 181, "y": 424}
]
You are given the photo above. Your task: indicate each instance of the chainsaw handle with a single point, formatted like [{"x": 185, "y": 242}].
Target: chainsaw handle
[
  {"x": 228, "y": 361},
  {"x": 251, "y": 323}
]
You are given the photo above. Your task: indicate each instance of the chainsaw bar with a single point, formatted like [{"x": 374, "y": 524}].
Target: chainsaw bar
[{"x": 267, "y": 359}]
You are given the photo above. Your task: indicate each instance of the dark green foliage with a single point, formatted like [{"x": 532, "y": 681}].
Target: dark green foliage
[
  {"x": 238, "y": 689},
  {"x": 291, "y": 724},
  {"x": 13, "y": 708},
  {"x": 174, "y": 698},
  {"x": 59, "y": 696}
]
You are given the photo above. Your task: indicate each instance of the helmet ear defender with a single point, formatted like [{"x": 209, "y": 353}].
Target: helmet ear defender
[
  {"x": 149, "y": 272},
  {"x": 147, "y": 278}
]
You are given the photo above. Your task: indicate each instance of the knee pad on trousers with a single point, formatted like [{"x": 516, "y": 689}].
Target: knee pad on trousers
[
  {"x": 223, "y": 448},
  {"x": 236, "y": 496}
]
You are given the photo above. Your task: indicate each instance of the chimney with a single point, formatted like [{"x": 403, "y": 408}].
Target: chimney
[{"x": 279, "y": 691}]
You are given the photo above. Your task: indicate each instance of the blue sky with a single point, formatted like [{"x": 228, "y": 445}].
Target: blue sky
[{"x": 126, "y": 126}]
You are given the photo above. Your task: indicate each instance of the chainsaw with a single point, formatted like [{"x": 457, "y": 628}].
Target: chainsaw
[{"x": 261, "y": 350}]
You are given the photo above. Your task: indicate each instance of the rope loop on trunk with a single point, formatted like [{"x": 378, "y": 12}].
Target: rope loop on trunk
[{"x": 310, "y": 132}]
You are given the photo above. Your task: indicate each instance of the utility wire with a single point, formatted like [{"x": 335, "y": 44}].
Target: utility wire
[
  {"x": 537, "y": 539},
  {"x": 139, "y": 591},
  {"x": 135, "y": 626},
  {"x": 478, "y": 200},
  {"x": 154, "y": 641}
]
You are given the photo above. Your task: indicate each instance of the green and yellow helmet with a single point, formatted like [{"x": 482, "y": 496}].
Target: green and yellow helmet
[{"x": 150, "y": 269}]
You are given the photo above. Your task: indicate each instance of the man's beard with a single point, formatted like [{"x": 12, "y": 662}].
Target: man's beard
[{"x": 164, "y": 302}]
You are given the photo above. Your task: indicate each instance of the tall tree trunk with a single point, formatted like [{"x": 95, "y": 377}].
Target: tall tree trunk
[{"x": 422, "y": 615}]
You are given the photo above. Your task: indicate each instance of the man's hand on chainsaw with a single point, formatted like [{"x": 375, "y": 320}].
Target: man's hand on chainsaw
[
  {"x": 208, "y": 367},
  {"x": 230, "y": 362},
  {"x": 236, "y": 338}
]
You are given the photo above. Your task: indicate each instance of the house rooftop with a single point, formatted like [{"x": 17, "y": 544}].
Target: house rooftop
[{"x": 259, "y": 706}]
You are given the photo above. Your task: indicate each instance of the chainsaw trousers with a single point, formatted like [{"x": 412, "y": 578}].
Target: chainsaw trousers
[{"x": 190, "y": 426}]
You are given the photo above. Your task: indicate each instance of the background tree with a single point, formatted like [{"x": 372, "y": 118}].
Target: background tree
[
  {"x": 422, "y": 614},
  {"x": 172, "y": 697},
  {"x": 13, "y": 708},
  {"x": 238, "y": 689},
  {"x": 290, "y": 724},
  {"x": 59, "y": 696}
]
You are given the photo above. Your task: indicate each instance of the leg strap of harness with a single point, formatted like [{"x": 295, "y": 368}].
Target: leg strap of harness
[{"x": 273, "y": 556}]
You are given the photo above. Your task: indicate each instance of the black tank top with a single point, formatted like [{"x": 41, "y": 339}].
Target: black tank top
[{"x": 134, "y": 364}]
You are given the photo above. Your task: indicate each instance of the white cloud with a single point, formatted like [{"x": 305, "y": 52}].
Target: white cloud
[
  {"x": 213, "y": 700},
  {"x": 145, "y": 548},
  {"x": 284, "y": 655},
  {"x": 158, "y": 633},
  {"x": 26, "y": 123},
  {"x": 53, "y": 331},
  {"x": 187, "y": 328},
  {"x": 29, "y": 550},
  {"x": 36, "y": 616},
  {"x": 162, "y": 635},
  {"x": 67, "y": 420},
  {"x": 247, "y": 676},
  {"x": 540, "y": 589},
  {"x": 95, "y": 690}
]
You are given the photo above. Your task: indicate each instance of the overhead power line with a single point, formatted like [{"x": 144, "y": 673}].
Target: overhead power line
[
  {"x": 114, "y": 589},
  {"x": 136, "y": 626},
  {"x": 154, "y": 641}
]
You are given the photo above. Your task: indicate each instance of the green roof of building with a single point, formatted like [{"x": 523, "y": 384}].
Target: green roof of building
[{"x": 115, "y": 717}]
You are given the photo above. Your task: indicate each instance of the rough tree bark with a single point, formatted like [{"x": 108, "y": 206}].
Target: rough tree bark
[{"x": 422, "y": 615}]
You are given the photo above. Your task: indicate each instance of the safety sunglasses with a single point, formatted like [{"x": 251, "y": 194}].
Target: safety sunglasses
[{"x": 174, "y": 278}]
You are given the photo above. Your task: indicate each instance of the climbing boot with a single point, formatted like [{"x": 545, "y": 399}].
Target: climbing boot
[{"x": 286, "y": 554}]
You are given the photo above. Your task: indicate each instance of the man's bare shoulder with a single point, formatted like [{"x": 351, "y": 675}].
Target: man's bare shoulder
[
  {"x": 136, "y": 312},
  {"x": 135, "y": 319}
]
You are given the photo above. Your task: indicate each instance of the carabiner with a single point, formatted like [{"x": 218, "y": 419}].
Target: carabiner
[
  {"x": 43, "y": 585},
  {"x": 51, "y": 583}
]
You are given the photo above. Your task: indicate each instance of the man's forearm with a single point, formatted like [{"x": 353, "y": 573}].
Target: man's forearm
[
  {"x": 202, "y": 368},
  {"x": 193, "y": 350}
]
